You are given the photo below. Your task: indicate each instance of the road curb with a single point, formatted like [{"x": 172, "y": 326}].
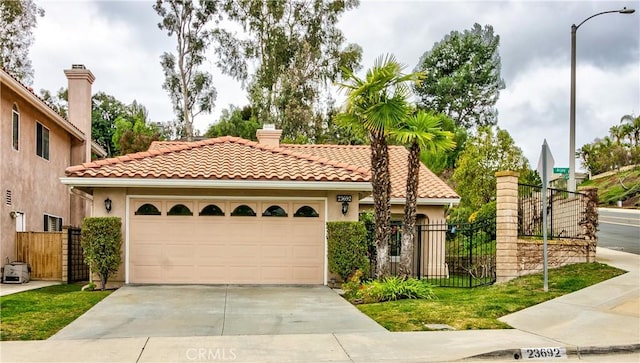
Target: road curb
[{"x": 577, "y": 351}]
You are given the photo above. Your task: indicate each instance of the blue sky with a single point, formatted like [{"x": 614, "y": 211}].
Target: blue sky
[{"x": 121, "y": 44}]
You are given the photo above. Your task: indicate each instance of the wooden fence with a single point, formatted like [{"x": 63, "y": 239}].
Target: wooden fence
[{"x": 43, "y": 251}]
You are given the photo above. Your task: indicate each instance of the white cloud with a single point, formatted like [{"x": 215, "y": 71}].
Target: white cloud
[{"x": 536, "y": 105}]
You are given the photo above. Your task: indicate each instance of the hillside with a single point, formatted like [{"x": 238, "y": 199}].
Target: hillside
[{"x": 622, "y": 186}]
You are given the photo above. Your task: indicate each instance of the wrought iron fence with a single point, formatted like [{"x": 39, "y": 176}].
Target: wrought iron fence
[
  {"x": 77, "y": 269},
  {"x": 447, "y": 254},
  {"x": 566, "y": 212}
]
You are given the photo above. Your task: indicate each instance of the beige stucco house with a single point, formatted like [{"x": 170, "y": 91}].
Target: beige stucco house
[
  {"x": 36, "y": 146},
  {"x": 230, "y": 210}
]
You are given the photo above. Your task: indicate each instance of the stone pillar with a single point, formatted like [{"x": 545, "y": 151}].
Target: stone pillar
[{"x": 506, "y": 225}]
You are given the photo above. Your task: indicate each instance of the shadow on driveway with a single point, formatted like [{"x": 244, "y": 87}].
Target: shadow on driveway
[{"x": 197, "y": 310}]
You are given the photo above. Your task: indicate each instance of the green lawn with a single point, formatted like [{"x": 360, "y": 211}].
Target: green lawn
[
  {"x": 480, "y": 308},
  {"x": 38, "y": 314}
]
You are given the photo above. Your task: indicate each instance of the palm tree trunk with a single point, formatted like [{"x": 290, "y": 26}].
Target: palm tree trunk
[
  {"x": 409, "y": 225},
  {"x": 381, "y": 205}
]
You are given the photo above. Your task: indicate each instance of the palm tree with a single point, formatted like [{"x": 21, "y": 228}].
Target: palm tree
[
  {"x": 421, "y": 131},
  {"x": 634, "y": 130},
  {"x": 375, "y": 105},
  {"x": 617, "y": 133}
]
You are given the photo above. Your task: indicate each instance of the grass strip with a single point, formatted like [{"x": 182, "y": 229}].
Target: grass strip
[{"x": 38, "y": 314}]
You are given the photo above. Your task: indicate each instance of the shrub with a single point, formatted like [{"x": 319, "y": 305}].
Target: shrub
[
  {"x": 352, "y": 286},
  {"x": 369, "y": 221},
  {"x": 347, "y": 248},
  {"x": 459, "y": 214},
  {"x": 396, "y": 288},
  {"x": 389, "y": 289},
  {"x": 486, "y": 212},
  {"x": 102, "y": 241}
]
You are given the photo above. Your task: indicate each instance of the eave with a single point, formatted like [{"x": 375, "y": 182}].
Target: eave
[
  {"x": 213, "y": 184},
  {"x": 419, "y": 201}
]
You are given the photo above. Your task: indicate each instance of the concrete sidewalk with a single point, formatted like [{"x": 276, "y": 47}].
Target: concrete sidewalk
[
  {"x": 604, "y": 314},
  {"x": 601, "y": 318},
  {"x": 8, "y": 289}
]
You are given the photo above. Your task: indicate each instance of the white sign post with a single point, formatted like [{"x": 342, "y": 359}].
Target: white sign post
[{"x": 545, "y": 168}]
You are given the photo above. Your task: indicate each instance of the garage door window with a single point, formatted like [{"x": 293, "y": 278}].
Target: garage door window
[
  {"x": 243, "y": 211},
  {"x": 211, "y": 210},
  {"x": 306, "y": 211},
  {"x": 274, "y": 211},
  {"x": 179, "y": 210},
  {"x": 147, "y": 209}
]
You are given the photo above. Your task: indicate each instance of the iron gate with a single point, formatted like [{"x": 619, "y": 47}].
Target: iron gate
[
  {"x": 447, "y": 253},
  {"x": 77, "y": 269}
]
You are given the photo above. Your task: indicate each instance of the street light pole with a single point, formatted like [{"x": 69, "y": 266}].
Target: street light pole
[{"x": 572, "y": 111}]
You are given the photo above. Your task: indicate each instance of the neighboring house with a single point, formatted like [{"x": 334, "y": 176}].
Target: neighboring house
[
  {"x": 36, "y": 146},
  {"x": 229, "y": 210}
]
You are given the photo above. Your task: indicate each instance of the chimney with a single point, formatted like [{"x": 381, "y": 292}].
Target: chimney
[
  {"x": 268, "y": 135},
  {"x": 79, "y": 114}
]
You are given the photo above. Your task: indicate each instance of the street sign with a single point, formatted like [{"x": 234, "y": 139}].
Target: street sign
[
  {"x": 546, "y": 167},
  {"x": 561, "y": 170}
]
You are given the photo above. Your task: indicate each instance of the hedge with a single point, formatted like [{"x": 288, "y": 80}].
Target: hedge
[
  {"x": 102, "y": 241},
  {"x": 347, "y": 248}
]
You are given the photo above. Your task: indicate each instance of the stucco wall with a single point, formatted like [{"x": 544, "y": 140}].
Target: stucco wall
[
  {"x": 32, "y": 180},
  {"x": 431, "y": 213}
]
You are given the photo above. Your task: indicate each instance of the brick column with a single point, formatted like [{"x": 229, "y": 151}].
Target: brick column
[{"x": 506, "y": 225}]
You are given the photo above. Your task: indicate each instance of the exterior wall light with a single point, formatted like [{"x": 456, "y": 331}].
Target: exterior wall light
[
  {"x": 345, "y": 199},
  {"x": 345, "y": 208},
  {"x": 107, "y": 204}
]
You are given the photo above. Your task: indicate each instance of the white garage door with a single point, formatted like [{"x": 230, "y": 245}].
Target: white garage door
[{"x": 226, "y": 241}]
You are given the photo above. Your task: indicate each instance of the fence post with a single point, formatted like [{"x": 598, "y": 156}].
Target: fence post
[
  {"x": 64, "y": 250},
  {"x": 506, "y": 225},
  {"x": 418, "y": 263}
]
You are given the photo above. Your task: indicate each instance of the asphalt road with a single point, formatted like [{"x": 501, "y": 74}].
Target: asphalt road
[{"x": 619, "y": 229}]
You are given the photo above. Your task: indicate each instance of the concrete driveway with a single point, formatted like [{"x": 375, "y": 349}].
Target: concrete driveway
[{"x": 196, "y": 310}]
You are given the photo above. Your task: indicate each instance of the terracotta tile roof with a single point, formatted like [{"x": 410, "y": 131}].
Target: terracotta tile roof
[
  {"x": 360, "y": 155},
  {"x": 222, "y": 158},
  {"x": 430, "y": 186},
  {"x": 158, "y": 145}
]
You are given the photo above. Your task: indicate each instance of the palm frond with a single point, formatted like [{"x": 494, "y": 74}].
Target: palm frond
[{"x": 424, "y": 129}]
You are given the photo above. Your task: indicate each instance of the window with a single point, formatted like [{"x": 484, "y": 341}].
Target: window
[
  {"x": 179, "y": 210},
  {"x": 52, "y": 223},
  {"x": 396, "y": 241},
  {"x": 274, "y": 211},
  {"x": 147, "y": 209},
  {"x": 211, "y": 210},
  {"x": 306, "y": 211},
  {"x": 243, "y": 211},
  {"x": 16, "y": 128},
  {"x": 42, "y": 141}
]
